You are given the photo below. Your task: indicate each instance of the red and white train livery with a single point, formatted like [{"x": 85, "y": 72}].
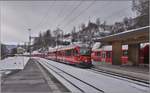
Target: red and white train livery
[
  {"x": 104, "y": 54},
  {"x": 73, "y": 54}
]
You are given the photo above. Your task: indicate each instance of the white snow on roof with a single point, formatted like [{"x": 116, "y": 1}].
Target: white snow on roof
[
  {"x": 125, "y": 47},
  {"x": 26, "y": 53},
  {"x": 109, "y": 48},
  {"x": 96, "y": 45},
  {"x": 142, "y": 45},
  {"x": 60, "y": 47},
  {"x": 132, "y": 30},
  {"x": 35, "y": 52}
]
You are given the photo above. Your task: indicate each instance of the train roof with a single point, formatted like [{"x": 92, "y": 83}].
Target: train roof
[
  {"x": 67, "y": 47},
  {"x": 144, "y": 44},
  {"x": 36, "y": 52},
  {"x": 109, "y": 48},
  {"x": 72, "y": 46}
]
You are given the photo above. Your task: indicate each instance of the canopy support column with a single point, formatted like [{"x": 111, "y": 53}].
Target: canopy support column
[
  {"x": 133, "y": 53},
  {"x": 116, "y": 53}
]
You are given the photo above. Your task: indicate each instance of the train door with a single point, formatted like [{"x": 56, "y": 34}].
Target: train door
[
  {"x": 146, "y": 54},
  {"x": 103, "y": 56},
  {"x": 108, "y": 56},
  {"x": 63, "y": 57},
  {"x": 98, "y": 56}
]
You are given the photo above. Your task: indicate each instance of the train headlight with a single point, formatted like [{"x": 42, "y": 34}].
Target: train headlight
[{"x": 86, "y": 60}]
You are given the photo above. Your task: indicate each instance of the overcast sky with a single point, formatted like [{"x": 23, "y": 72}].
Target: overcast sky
[{"x": 17, "y": 17}]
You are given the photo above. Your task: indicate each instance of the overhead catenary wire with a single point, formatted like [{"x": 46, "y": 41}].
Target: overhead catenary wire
[
  {"x": 59, "y": 15},
  {"x": 108, "y": 17},
  {"x": 89, "y": 6},
  {"x": 45, "y": 15},
  {"x": 71, "y": 12},
  {"x": 115, "y": 13}
]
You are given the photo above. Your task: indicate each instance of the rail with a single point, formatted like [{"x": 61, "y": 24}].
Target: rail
[
  {"x": 131, "y": 79},
  {"x": 70, "y": 78}
]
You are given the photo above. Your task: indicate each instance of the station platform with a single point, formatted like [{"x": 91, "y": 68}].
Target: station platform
[
  {"x": 139, "y": 72},
  {"x": 32, "y": 79}
]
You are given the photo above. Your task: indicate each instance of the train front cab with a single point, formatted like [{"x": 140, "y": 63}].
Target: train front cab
[
  {"x": 85, "y": 56},
  {"x": 75, "y": 56}
]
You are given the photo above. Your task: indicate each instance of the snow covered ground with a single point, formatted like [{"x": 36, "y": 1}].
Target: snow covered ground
[
  {"x": 105, "y": 83},
  {"x": 13, "y": 63}
]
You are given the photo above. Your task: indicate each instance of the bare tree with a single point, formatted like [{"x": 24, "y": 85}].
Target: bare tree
[
  {"x": 98, "y": 21},
  {"x": 74, "y": 34},
  {"x": 58, "y": 34},
  {"x": 142, "y": 9},
  {"x": 82, "y": 26}
]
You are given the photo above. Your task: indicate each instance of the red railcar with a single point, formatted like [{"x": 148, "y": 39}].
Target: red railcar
[
  {"x": 74, "y": 54},
  {"x": 37, "y": 54},
  {"x": 104, "y": 54}
]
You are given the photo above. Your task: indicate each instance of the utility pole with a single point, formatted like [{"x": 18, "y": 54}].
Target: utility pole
[
  {"x": 56, "y": 42},
  {"x": 29, "y": 41}
]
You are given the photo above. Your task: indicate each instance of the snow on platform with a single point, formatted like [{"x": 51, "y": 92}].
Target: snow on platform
[{"x": 13, "y": 63}]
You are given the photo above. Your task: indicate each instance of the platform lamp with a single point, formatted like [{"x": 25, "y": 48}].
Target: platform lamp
[{"x": 29, "y": 41}]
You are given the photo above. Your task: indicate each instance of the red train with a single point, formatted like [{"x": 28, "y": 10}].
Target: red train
[
  {"x": 83, "y": 56},
  {"x": 74, "y": 54},
  {"x": 104, "y": 54}
]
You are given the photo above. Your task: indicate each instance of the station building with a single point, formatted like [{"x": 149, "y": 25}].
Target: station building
[{"x": 133, "y": 38}]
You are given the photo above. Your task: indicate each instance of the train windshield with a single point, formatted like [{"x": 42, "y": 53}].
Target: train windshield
[{"x": 85, "y": 51}]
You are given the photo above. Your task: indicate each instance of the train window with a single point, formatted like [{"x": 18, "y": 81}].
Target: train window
[
  {"x": 68, "y": 53},
  {"x": 60, "y": 53},
  {"x": 85, "y": 51},
  {"x": 72, "y": 52},
  {"x": 125, "y": 52},
  {"x": 103, "y": 55},
  {"x": 75, "y": 52},
  {"x": 98, "y": 53},
  {"x": 108, "y": 54}
]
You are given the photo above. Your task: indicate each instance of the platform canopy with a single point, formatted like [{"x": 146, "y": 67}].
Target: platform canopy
[{"x": 139, "y": 35}]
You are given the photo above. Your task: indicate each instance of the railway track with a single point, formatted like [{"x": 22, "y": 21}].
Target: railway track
[
  {"x": 79, "y": 80},
  {"x": 131, "y": 79},
  {"x": 82, "y": 86}
]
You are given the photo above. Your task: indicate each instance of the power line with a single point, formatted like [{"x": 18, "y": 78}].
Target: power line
[
  {"x": 115, "y": 13},
  {"x": 59, "y": 14},
  {"x": 80, "y": 13},
  {"x": 108, "y": 17},
  {"x": 45, "y": 16},
  {"x": 89, "y": 6},
  {"x": 71, "y": 12}
]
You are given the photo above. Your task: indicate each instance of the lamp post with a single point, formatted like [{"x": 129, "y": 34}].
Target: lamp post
[{"x": 29, "y": 41}]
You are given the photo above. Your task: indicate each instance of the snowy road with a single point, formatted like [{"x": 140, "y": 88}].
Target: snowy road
[{"x": 99, "y": 81}]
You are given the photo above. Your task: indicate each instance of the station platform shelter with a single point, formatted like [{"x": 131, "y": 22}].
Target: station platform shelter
[{"x": 133, "y": 38}]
